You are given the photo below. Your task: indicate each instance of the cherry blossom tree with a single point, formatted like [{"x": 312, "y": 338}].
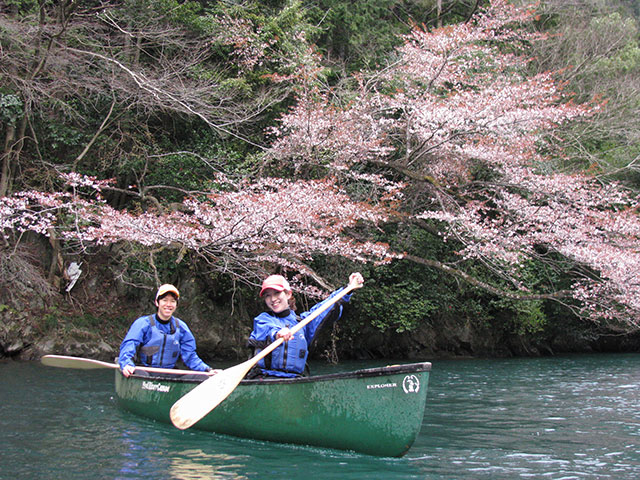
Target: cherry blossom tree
[
  {"x": 458, "y": 101},
  {"x": 240, "y": 232},
  {"x": 454, "y": 136}
]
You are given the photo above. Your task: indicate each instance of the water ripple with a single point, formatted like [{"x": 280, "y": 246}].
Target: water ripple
[{"x": 560, "y": 418}]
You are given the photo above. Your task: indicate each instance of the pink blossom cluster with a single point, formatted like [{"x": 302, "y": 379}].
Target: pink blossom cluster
[
  {"x": 454, "y": 100},
  {"x": 315, "y": 131},
  {"x": 272, "y": 220},
  {"x": 74, "y": 179},
  {"x": 31, "y": 211},
  {"x": 248, "y": 42}
]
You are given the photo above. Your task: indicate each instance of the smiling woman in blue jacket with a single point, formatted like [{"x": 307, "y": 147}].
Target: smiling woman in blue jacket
[
  {"x": 290, "y": 358},
  {"x": 158, "y": 339}
]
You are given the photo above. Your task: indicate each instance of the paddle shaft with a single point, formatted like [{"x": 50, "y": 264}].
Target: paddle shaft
[
  {"x": 209, "y": 394},
  {"x": 64, "y": 361}
]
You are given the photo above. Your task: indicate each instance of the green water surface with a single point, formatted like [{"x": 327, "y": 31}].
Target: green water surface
[{"x": 569, "y": 417}]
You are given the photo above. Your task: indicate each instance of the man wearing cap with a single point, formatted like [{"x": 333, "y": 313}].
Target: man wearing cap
[
  {"x": 158, "y": 339},
  {"x": 290, "y": 358}
]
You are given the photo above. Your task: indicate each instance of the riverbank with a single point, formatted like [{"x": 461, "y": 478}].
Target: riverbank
[
  {"x": 92, "y": 318},
  {"x": 79, "y": 331}
]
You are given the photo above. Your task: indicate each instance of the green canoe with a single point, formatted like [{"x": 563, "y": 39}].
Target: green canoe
[{"x": 376, "y": 411}]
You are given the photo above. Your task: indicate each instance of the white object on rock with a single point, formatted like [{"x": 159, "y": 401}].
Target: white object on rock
[{"x": 73, "y": 270}]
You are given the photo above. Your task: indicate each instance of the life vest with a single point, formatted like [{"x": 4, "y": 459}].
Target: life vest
[
  {"x": 161, "y": 349},
  {"x": 290, "y": 358}
]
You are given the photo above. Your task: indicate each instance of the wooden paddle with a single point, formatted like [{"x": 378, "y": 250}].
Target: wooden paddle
[
  {"x": 64, "y": 361},
  {"x": 209, "y": 394}
]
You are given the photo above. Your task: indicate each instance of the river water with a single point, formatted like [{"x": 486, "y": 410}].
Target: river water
[{"x": 573, "y": 417}]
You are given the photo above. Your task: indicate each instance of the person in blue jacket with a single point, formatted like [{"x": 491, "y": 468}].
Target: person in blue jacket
[
  {"x": 158, "y": 339},
  {"x": 290, "y": 358}
]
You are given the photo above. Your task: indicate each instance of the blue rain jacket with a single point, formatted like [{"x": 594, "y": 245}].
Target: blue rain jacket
[
  {"x": 290, "y": 358},
  {"x": 157, "y": 344}
]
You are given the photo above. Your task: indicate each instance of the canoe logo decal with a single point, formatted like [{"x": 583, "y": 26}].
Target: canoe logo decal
[
  {"x": 382, "y": 385},
  {"x": 411, "y": 384},
  {"x": 156, "y": 387}
]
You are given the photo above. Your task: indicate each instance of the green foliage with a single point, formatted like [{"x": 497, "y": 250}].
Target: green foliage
[
  {"x": 48, "y": 322},
  {"x": 11, "y": 109},
  {"x": 397, "y": 297},
  {"x": 625, "y": 61},
  {"x": 275, "y": 31},
  {"x": 400, "y": 306},
  {"x": 188, "y": 172},
  {"x": 60, "y": 138},
  {"x": 178, "y": 13},
  {"x": 429, "y": 296},
  {"x": 401, "y": 296},
  {"x": 361, "y": 34},
  {"x": 86, "y": 321},
  {"x": 530, "y": 317},
  {"x": 524, "y": 316},
  {"x": 141, "y": 267},
  {"x": 23, "y": 6},
  {"x": 634, "y": 6},
  {"x": 622, "y": 59},
  {"x": 136, "y": 135},
  {"x": 364, "y": 34}
]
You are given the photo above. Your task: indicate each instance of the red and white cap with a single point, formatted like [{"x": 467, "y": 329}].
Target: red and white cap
[{"x": 276, "y": 282}]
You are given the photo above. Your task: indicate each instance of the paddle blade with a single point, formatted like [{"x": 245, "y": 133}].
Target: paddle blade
[
  {"x": 195, "y": 405},
  {"x": 63, "y": 361}
]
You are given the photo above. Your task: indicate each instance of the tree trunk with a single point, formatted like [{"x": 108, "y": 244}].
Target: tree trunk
[{"x": 6, "y": 160}]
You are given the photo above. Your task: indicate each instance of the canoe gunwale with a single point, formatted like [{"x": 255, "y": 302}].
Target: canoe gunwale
[{"x": 362, "y": 373}]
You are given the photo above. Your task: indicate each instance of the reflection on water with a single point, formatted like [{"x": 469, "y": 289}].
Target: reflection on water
[
  {"x": 575, "y": 417},
  {"x": 195, "y": 464}
]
